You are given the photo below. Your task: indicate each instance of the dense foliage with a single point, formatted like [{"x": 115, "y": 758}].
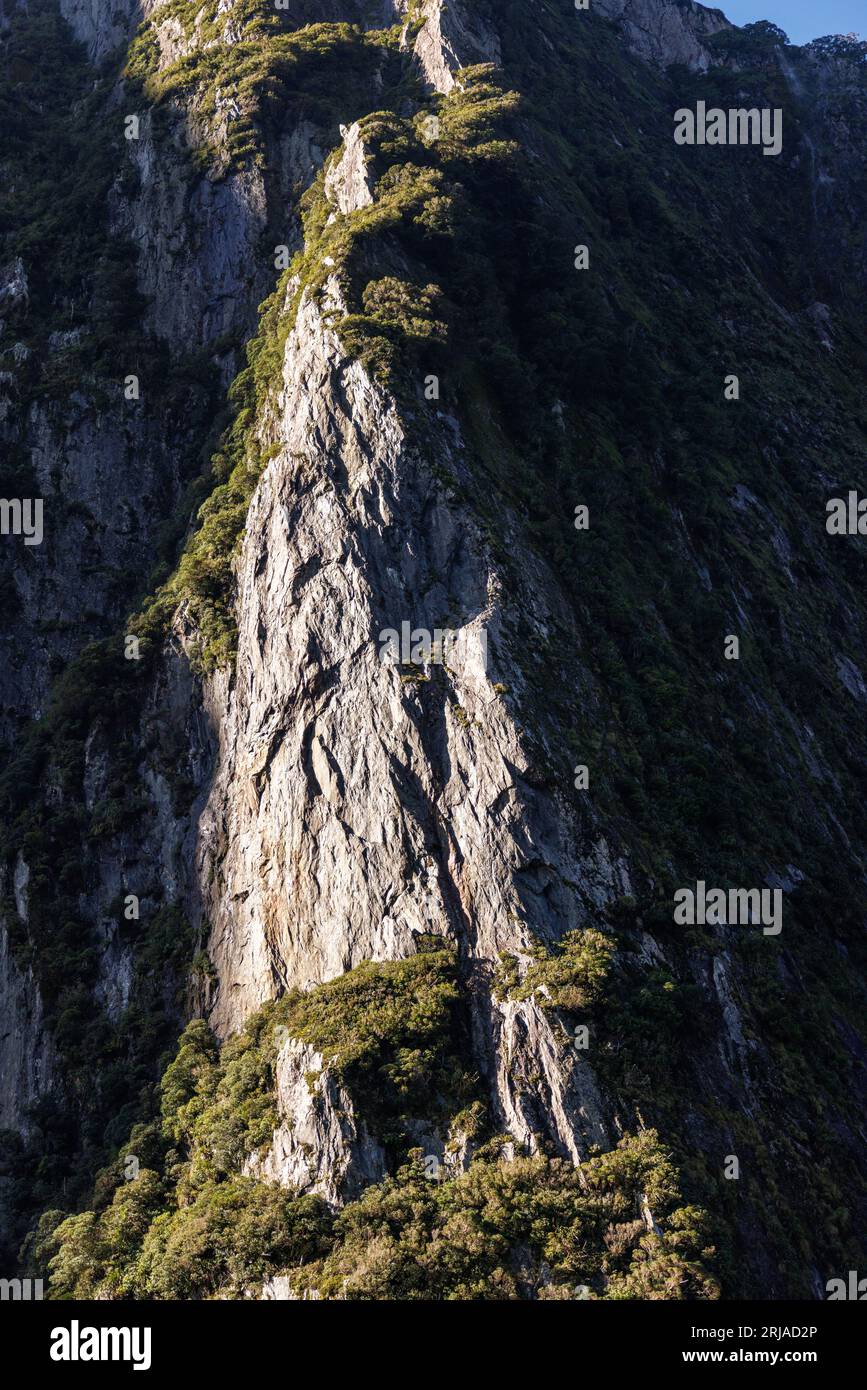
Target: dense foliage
[{"x": 174, "y": 1218}]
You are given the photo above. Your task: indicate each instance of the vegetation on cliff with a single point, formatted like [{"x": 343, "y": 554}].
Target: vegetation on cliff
[
  {"x": 603, "y": 388},
  {"x": 174, "y": 1217}
]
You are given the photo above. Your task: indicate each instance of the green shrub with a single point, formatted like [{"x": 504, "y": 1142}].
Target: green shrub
[
  {"x": 571, "y": 975},
  {"x": 529, "y": 1228}
]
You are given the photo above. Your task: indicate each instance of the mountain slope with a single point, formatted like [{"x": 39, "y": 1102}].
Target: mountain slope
[{"x": 475, "y": 958}]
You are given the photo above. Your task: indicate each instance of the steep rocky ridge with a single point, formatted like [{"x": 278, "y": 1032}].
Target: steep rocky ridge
[
  {"x": 666, "y": 31},
  {"x": 411, "y": 813}
]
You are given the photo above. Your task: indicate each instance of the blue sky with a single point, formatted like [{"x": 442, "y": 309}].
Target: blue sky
[{"x": 802, "y": 19}]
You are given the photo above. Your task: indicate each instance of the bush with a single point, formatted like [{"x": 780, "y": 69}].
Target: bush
[
  {"x": 533, "y": 1227},
  {"x": 572, "y": 975}
]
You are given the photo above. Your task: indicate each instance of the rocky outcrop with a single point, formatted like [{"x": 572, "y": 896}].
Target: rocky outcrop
[
  {"x": 27, "y": 1061},
  {"x": 666, "y": 31},
  {"x": 198, "y": 255},
  {"x": 452, "y": 37},
  {"x": 330, "y": 799},
  {"x": 14, "y": 290},
  {"x": 150, "y": 858},
  {"x": 321, "y": 1146},
  {"x": 357, "y": 804},
  {"x": 348, "y": 182},
  {"x": 105, "y": 456},
  {"x": 100, "y": 468},
  {"x": 101, "y": 26},
  {"x": 544, "y": 1085}
]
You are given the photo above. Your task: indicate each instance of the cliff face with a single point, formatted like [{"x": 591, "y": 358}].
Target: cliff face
[
  {"x": 357, "y": 804},
  {"x": 228, "y": 785},
  {"x": 667, "y": 31}
]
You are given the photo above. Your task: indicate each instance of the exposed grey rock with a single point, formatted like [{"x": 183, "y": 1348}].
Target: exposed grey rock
[
  {"x": 279, "y": 1289},
  {"x": 820, "y": 317},
  {"x": 452, "y": 37},
  {"x": 14, "y": 290},
  {"x": 851, "y": 677},
  {"x": 730, "y": 1012},
  {"x": 350, "y": 809},
  {"x": 98, "y": 470},
  {"x": 320, "y": 1147},
  {"x": 27, "y": 1060},
  {"x": 102, "y": 26},
  {"x": 20, "y": 880},
  {"x": 544, "y": 1087},
  {"x": 198, "y": 258},
  {"x": 151, "y": 858},
  {"x": 106, "y": 469},
  {"x": 666, "y": 31},
  {"x": 348, "y": 183}
]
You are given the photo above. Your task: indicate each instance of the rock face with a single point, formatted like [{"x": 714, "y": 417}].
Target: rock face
[
  {"x": 14, "y": 293},
  {"x": 348, "y": 182},
  {"x": 452, "y": 37},
  {"x": 26, "y": 1052},
  {"x": 102, "y": 27},
  {"x": 543, "y": 1086},
  {"x": 101, "y": 472},
  {"x": 353, "y": 808},
  {"x": 666, "y": 31},
  {"x": 320, "y": 1146},
  {"x": 196, "y": 250}
]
